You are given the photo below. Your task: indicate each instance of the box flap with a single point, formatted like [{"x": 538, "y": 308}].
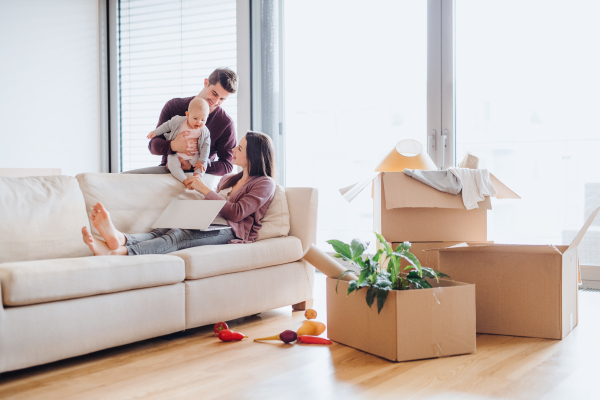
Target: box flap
[
  {"x": 583, "y": 230},
  {"x": 350, "y": 192},
  {"x": 503, "y": 191},
  {"x": 502, "y": 248},
  {"x": 402, "y": 191}
]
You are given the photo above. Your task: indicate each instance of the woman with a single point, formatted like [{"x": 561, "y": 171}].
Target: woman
[{"x": 248, "y": 194}]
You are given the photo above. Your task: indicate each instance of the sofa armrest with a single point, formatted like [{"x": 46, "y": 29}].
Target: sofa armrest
[{"x": 303, "y": 204}]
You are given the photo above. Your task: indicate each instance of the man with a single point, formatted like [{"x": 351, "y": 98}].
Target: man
[{"x": 219, "y": 85}]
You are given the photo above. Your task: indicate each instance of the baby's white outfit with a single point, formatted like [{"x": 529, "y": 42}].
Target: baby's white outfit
[{"x": 170, "y": 130}]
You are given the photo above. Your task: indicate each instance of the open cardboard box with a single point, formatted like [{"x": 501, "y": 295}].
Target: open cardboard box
[
  {"x": 406, "y": 209},
  {"x": 412, "y": 325},
  {"x": 521, "y": 290},
  {"x": 429, "y": 259}
]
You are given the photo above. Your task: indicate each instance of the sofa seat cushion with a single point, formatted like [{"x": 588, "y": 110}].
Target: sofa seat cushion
[
  {"x": 31, "y": 282},
  {"x": 206, "y": 261}
]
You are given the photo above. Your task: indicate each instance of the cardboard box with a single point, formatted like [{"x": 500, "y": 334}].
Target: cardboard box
[
  {"x": 406, "y": 209},
  {"x": 413, "y": 324},
  {"x": 521, "y": 290},
  {"x": 429, "y": 258}
]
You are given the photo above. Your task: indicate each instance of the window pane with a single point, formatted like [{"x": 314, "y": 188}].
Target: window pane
[
  {"x": 527, "y": 105},
  {"x": 355, "y": 84},
  {"x": 166, "y": 49}
]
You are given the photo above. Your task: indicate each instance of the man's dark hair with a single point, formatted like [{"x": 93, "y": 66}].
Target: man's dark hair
[{"x": 226, "y": 77}]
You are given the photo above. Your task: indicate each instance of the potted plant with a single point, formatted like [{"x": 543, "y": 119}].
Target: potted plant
[
  {"x": 437, "y": 321},
  {"x": 376, "y": 276}
]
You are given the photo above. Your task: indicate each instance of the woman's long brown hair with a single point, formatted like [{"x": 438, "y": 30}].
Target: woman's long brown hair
[{"x": 261, "y": 158}]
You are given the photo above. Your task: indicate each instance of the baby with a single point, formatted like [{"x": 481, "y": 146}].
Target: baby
[{"x": 194, "y": 125}]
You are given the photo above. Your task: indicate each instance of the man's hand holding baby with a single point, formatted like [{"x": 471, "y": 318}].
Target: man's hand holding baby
[
  {"x": 185, "y": 164},
  {"x": 181, "y": 144}
]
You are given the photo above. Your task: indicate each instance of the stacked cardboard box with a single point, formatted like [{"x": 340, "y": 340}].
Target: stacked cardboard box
[
  {"x": 408, "y": 210},
  {"x": 521, "y": 290}
]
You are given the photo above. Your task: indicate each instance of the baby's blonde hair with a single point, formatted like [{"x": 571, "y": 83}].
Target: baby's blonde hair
[{"x": 199, "y": 103}]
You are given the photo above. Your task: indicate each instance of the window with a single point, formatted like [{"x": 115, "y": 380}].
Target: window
[
  {"x": 355, "y": 84},
  {"x": 527, "y": 101},
  {"x": 166, "y": 49}
]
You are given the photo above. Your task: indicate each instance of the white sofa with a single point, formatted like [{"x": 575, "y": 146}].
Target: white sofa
[{"x": 59, "y": 301}]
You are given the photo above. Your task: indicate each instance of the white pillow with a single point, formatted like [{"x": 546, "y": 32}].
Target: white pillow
[{"x": 276, "y": 221}]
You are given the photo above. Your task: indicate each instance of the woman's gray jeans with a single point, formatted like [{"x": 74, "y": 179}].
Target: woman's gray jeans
[{"x": 162, "y": 241}]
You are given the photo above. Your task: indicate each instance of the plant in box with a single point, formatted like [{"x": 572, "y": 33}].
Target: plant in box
[{"x": 378, "y": 277}]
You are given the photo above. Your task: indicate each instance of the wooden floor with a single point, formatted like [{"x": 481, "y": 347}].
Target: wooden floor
[{"x": 196, "y": 365}]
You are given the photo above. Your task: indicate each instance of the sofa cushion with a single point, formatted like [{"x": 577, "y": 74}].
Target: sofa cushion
[
  {"x": 276, "y": 222},
  {"x": 31, "y": 282},
  {"x": 41, "y": 218},
  {"x": 206, "y": 261}
]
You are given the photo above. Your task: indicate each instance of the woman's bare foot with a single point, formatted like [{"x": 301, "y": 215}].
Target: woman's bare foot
[
  {"x": 98, "y": 247},
  {"x": 102, "y": 222}
]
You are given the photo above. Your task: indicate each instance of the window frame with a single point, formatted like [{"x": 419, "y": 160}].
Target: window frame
[{"x": 111, "y": 87}]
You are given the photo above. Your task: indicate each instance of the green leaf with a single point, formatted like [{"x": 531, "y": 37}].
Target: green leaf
[
  {"x": 363, "y": 276},
  {"x": 383, "y": 281},
  {"x": 377, "y": 255},
  {"x": 357, "y": 247},
  {"x": 359, "y": 262},
  {"x": 341, "y": 248},
  {"x": 352, "y": 286},
  {"x": 428, "y": 273},
  {"x": 426, "y": 284},
  {"x": 442, "y": 275},
  {"x": 404, "y": 284},
  {"x": 384, "y": 243},
  {"x": 364, "y": 284},
  {"x": 412, "y": 259},
  {"x": 346, "y": 272},
  {"x": 371, "y": 295},
  {"x": 381, "y": 297},
  {"x": 414, "y": 274}
]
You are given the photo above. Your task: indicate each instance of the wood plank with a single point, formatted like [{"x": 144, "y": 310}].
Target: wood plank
[{"x": 196, "y": 365}]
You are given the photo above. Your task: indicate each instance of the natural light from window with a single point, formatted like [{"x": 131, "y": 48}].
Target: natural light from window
[
  {"x": 527, "y": 104},
  {"x": 355, "y": 85}
]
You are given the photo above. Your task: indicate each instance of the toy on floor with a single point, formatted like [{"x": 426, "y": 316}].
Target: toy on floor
[
  {"x": 227, "y": 335},
  {"x": 219, "y": 326},
  {"x": 309, "y": 339},
  {"x": 285, "y": 337},
  {"x": 313, "y": 328},
  {"x": 308, "y": 333}
]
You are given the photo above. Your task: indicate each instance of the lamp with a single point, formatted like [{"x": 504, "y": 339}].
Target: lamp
[{"x": 409, "y": 154}]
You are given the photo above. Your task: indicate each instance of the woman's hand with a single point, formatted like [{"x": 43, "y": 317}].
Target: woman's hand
[{"x": 195, "y": 182}]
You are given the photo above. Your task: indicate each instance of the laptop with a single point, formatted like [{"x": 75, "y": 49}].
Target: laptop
[{"x": 192, "y": 214}]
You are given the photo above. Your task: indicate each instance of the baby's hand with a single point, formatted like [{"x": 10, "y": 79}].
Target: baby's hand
[
  {"x": 151, "y": 135},
  {"x": 199, "y": 166}
]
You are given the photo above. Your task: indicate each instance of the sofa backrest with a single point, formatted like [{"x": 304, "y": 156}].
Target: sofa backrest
[
  {"x": 134, "y": 201},
  {"x": 303, "y": 204},
  {"x": 41, "y": 218}
]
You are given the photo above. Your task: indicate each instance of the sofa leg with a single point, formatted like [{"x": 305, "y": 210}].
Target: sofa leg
[{"x": 303, "y": 305}]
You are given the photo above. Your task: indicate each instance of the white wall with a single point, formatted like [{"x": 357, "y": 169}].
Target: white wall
[{"x": 50, "y": 85}]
